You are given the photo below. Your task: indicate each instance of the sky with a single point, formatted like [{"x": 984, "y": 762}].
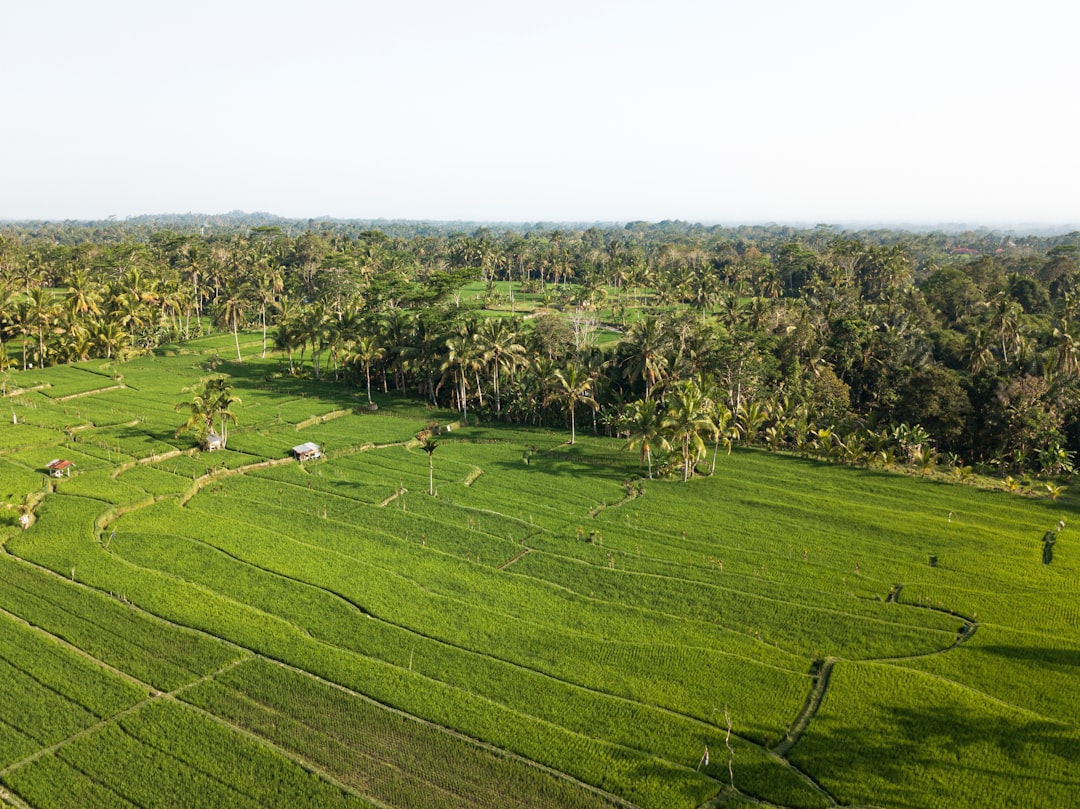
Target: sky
[{"x": 834, "y": 111}]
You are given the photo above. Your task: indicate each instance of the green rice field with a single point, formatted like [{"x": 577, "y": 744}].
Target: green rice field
[{"x": 235, "y": 628}]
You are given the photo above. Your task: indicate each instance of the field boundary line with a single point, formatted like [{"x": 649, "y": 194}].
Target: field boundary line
[
  {"x": 616, "y": 799},
  {"x": 71, "y": 396},
  {"x": 333, "y": 414},
  {"x": 809, "y": 709},
  {"x": 971, "y": 689},
  {"x": 398, "y": 492},
  {"x": 210, "y": 477},
  {"x": 20, "y": 391},
  {"x": 513, "y": 559},
  {"x": 547, "y": 675},
  {"x": 633, "y": 494},
  {"x": 52, "y": 748},
  {"x": 153, "y": 458},
  {"x": 153, "y": 695},
  {"x": 149, "y": 614},
  {"x": 73, "y": 648},
  {"x": 285, "y": 752},
  {"x": 112, "y": 514}
]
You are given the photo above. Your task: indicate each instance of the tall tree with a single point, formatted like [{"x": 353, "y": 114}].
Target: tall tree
[
  {"x": 574, "y": 387},
  {"x": 645, "y": 422},
  {"x": 686, "y": 420}
]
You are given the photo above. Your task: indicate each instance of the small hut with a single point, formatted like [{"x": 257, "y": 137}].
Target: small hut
[
  {"x": 212, "y": 442},
  {"x": 58, "y": 468},
  {"x": 306, "y": 452}
]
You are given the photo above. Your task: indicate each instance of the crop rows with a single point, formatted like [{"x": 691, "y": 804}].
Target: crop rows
[
  {"x": 394, "y": 759},
  {"x": 17, "y": 436},
  {"x": 423, "y": 616},
  {"x": 103, "y": 627},
  {"x": 506, "y": 683},
  {"x": 863, "y": 630},
  {"x": 609, "y": 649},
  {"x": 166, "y": 755},
  {"x": 883, "y": 730},
  {"x": 64, "y": 672}
]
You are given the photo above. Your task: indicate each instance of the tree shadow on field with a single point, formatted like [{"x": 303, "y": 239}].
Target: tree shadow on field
[
  {"x": 142, "y": 431},
  {"x": 263, "y": 377},
  {"x": 689, "y": 789},
  {"x": 562, "y": 468},
  {"x": 958, "y": 752},
  {"x": 1038, "y": 656}
]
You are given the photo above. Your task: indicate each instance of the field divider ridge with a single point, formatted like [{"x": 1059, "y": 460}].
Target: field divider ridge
[
  {"x": 79, "y": 395},
  {"x": 503, "y": 751},
  {"x": 152, "y": 695}
]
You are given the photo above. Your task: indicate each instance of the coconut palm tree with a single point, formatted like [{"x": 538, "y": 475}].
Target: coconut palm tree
[
  {"x": 1066, "y": 350},
  {"x": 367, "y": 351},
  {"x": 462, "y": 356},
  {"x": 749, "y": 419},
  {"x": 42, "y": 309},
  {"x": 429, "y": 445},
  {"x": 574, "y": 387},
  {"x": 233, "y": 310},
  {"x": 499, "y": 344},
  {"x": 726, "y": 430},
  {"x": 83, "y": 295},
  {"x": 645, "y": 358},
  {"x": 210, "y": 408},
  {"x": 646, "y": 422},
  {"x": 686, "y": 420}
]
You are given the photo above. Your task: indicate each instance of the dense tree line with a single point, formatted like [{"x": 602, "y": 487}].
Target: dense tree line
[{"x": 863, "y": 346}]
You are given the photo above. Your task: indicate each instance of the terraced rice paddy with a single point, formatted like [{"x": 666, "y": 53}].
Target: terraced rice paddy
[{"x": 235, "y": 628}]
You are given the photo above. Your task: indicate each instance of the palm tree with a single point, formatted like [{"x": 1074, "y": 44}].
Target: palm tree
[
  {"x": 1007, "y": 322},
  {"x": 749, "y": 419},
  {"x": 461, "y": 357},
  {"x": 429, "y": 445},
  {"x": 979, "y": 354},
  {"x": 233, "y": 309},
  {"x": 210, "y": 407},
  {"x": 269, "y": 282},
  {"x": 646, "y": 422},
  {"x": 498, "y": 342},
  {"x": 645, "y": 358},
  {"x": 574, "y": 387},
  {"x": 83, "y": 295},
  {"x": 687, "y": 418},
  {"x": 109, "y": 335},
  {"x": 41, "y": 310},
  {"x": 726, "y": 431},
  {"x": 366, "y": 351},
  {"x": 1066, "y": 350}
]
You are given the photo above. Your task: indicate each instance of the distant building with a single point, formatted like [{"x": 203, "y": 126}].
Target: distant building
[
  {"x": 306, "y": 452},
  {"x": 59, "y": 468},
  {"x": 213, "y": 441}
]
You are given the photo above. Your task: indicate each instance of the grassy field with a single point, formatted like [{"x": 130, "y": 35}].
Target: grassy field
[{"x": 235, "y": 628}]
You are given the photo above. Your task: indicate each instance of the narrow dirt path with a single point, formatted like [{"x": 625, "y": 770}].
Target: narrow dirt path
[
  {"x": 71, "y": 396},
  {"x": 809, "y": 708},
  {"x": 513, "y": 559},
  {"x": 151, "y": 696}
]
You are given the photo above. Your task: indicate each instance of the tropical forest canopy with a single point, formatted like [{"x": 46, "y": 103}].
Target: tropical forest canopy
[{"x": 930, "y": 346}]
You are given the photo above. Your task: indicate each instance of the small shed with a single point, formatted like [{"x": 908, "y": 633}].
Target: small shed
[
  {"x": 212, "y": 442},
  {"x": 58, "y": 468},
  {"x": 306, "y": 452}
]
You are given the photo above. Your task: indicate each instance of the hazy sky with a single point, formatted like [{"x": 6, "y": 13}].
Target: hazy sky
[{"x": 706, "y": 110}]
